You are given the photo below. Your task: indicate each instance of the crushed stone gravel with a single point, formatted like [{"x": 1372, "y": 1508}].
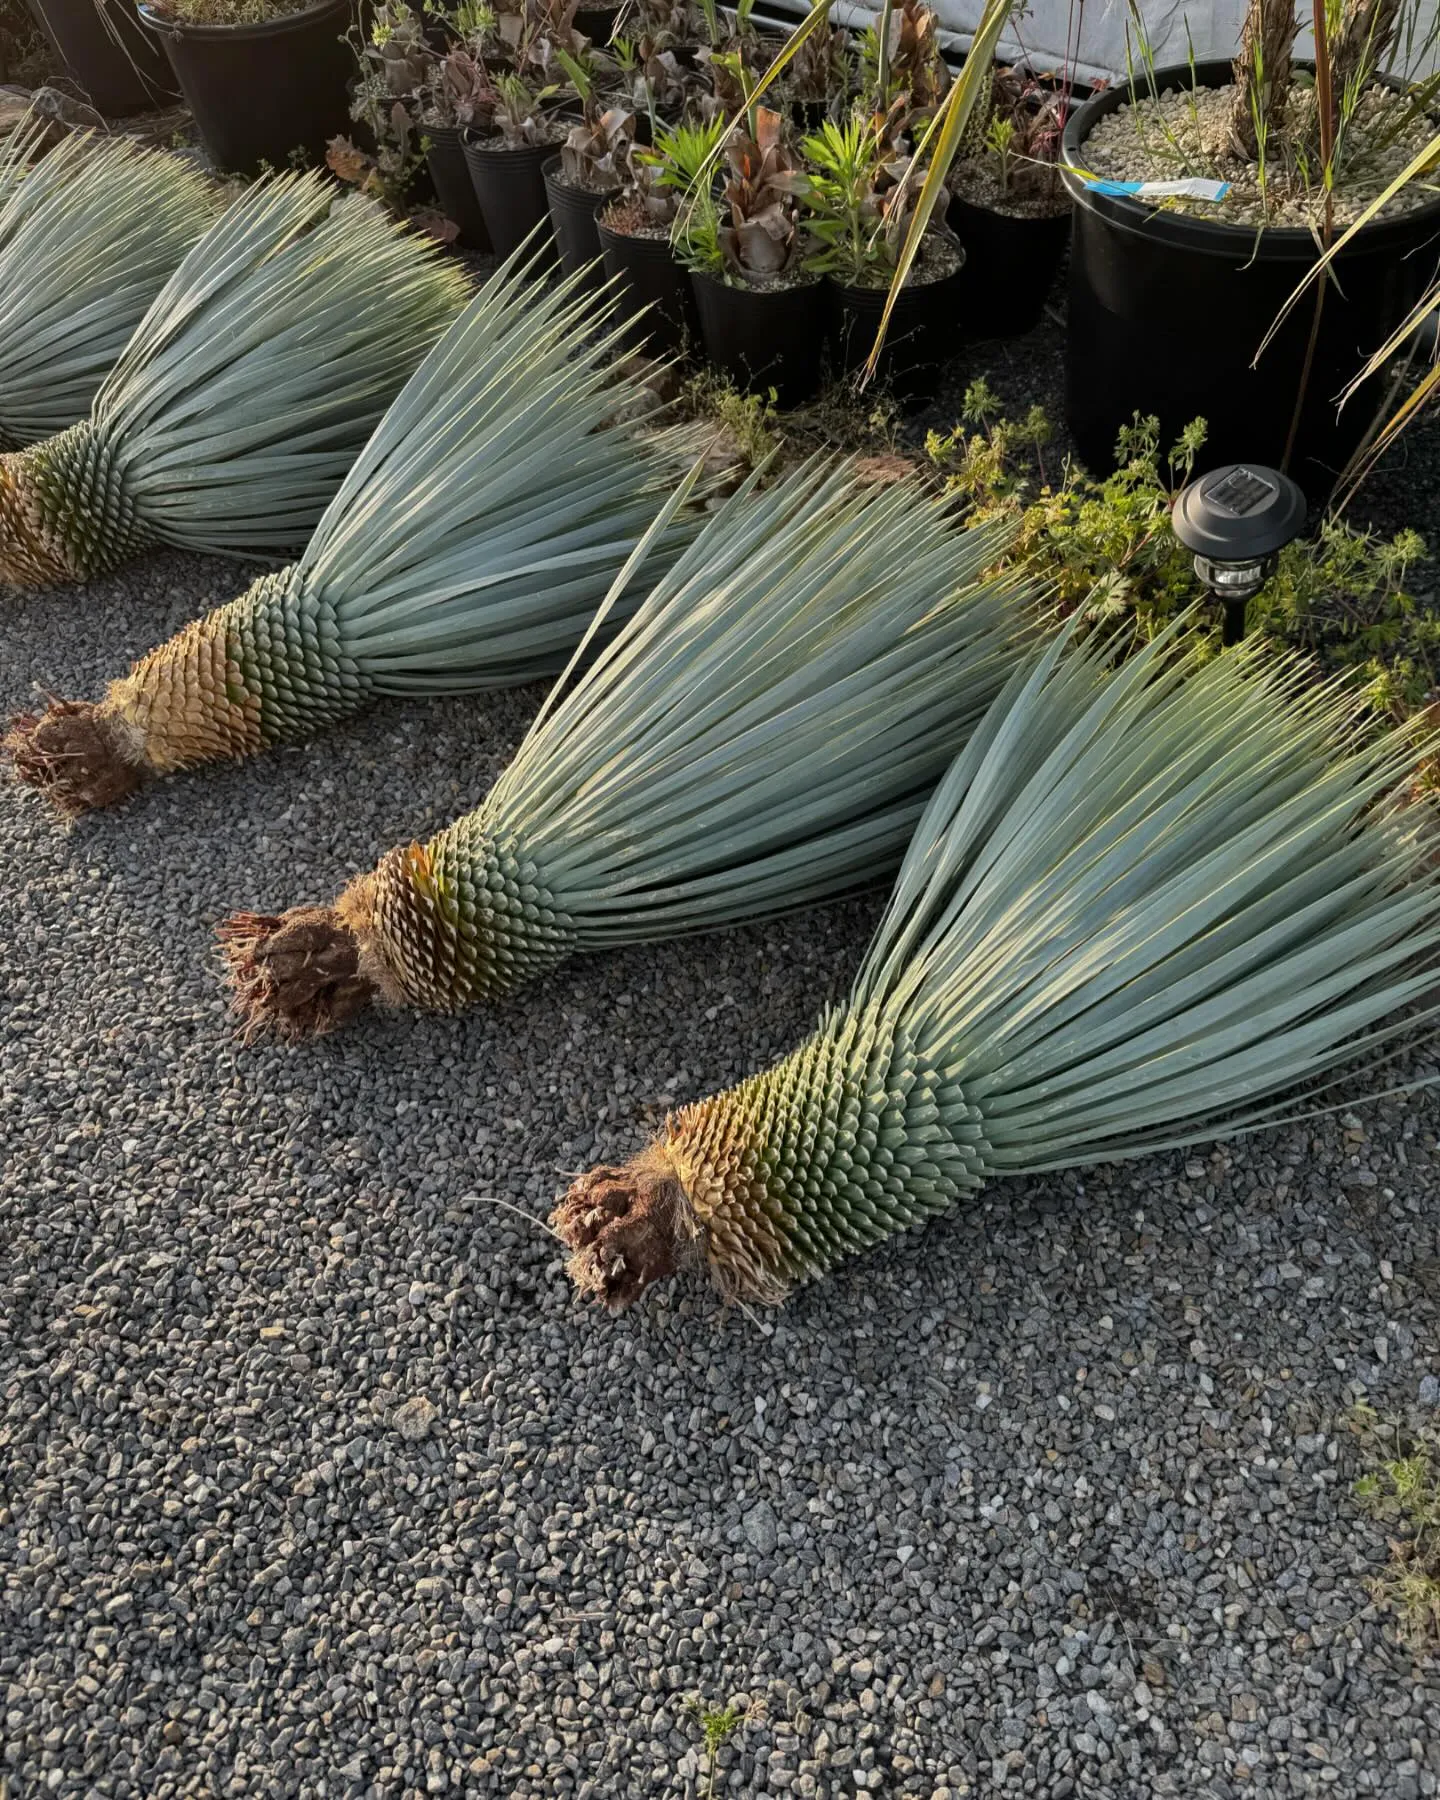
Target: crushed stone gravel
[{"x": 316, "y": 1480}]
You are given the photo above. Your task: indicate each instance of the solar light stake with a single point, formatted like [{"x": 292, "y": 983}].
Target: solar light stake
[{"x": 1237, "y": 520}]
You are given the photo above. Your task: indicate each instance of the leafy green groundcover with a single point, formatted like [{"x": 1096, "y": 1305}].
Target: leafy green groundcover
[{"x": 1342, "y": 595}]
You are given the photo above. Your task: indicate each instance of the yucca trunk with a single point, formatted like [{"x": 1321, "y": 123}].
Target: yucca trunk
[
  {"x": 1262, "y": 73},
  {"x": 244, "y": 394},
  {"x": 762, "y": 733},
  {"x": 468, "y": 548},
  {"x": 89, "y": 234},
  {"x": 1139, "y": 909}
]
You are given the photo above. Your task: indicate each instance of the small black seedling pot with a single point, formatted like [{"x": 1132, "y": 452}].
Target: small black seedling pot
[
  {"x": 445, "y": 156},
  {"x": 510, "y": 188},
  {"x": 765, "y": 338},
  {"x": 1010, "y": 265},
  {"x": 922, "y": 337},
  {"x": 649, "y": 276},
  {"x": 596, "y": 23},
  {"x": 574, "y": 218}
]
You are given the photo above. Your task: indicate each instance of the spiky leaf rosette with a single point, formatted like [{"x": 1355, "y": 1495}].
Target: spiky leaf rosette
[
  {"x": 762, "y": 733},
  {"x": 244, "y": 395},
  {"x": 468, "y": 548},
  {"x": 89, "y": 235},
  {"x": 1137, "y": 911}
]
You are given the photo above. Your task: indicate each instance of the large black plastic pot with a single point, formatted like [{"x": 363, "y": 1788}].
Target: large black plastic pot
[
  {"x": 108, "y": 53},
  {"x": 648, "y": 276},
  {"x": 765, "y": 338},
  {"x": 1168, "y": 311},
  {"x": 574, "y": 218},
  {"x": 922, "y": 335},
  {"x": 263, "y": 93},
  {"x": 445, "y": 157},
  {"x": 510, "y": 187},
  {"x": 1010, "y": 264}
]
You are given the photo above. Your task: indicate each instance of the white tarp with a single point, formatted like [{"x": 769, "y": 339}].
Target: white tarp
[{"x": 1093, "y": 31}]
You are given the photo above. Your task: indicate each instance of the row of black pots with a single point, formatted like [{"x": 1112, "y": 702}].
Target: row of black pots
[
  {"x": 763, "y": 338},
  {"x": 999, "y": 291},
  {"x": 1166, "y": 311}
]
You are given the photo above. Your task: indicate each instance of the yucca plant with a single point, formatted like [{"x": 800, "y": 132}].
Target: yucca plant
[
  {"x": 467, "y": 548},
  {"x": 89, "y": 234},
  {"x": 761, "y": 734},
  {"x": 1139, "y": 909},
  {"x": 245, "y": 393}
]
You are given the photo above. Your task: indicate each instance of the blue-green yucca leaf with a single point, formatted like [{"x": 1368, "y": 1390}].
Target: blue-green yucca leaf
[
  {"x": 90, "y": 232},
  {"x": 1146, "y": 905},
  {"x": 467, "y": 548},
  {"x": 761, "y": 732},
  {"x": 243, "y": 395}
]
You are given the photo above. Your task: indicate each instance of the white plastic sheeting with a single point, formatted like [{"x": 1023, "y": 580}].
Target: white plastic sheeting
[{"x": 1092, "y": 32}]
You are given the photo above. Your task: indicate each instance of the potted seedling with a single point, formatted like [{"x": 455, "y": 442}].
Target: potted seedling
[
  {"x": 900, "y": 63},
  {"x": 820, "y": 77},
  {"x": 517, "y": 126},
  {"x": 658, "y": 58},
  {"x": 597, "y": 21},
  {"x": 266, "y": 80},
  {"x": 655, "y": 81},
  {"x": 763, "y": 313},
  {"x": 858, "y": 193},
  {"x": 1173, "y": 291},
  {"x": 396, "y": 61},
  {"x": 1009, "y": 206},
  {"x": 587, "y": 173},
  {"x": 453, "y": 97},
  {"x": 635, "y": 230}
]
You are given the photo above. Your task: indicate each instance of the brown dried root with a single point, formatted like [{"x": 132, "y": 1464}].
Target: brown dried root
[
  {"x": 75, "y": 756},
  {"x": 628, "y": 1228},
  {"x": 298, "y": 974}
]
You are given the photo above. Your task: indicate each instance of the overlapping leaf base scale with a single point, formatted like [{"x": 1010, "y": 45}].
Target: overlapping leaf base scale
[
  {"x": 467, "y": 917},
  {"x": 64, "y": 512},
  {"x": 290, "y": 649},
  {"x": 265, "y": 668},
  {"x": 847, "y": 1141}
]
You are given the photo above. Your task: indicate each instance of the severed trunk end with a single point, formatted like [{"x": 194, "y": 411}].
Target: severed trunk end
[
  {"x": 76, "y": 756},
  {"x": 301, "y": 973},
  {"x": 628, "y": 1228}
]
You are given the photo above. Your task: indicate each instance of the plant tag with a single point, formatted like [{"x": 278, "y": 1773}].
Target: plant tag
[{"x": 1193, "y": 187}]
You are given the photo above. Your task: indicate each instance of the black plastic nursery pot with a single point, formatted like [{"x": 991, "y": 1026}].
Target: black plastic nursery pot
[
  {"x": 445, "y": 158},
  {"x": 574, "y": 218},
  {"x": 263, "y": 94},
  {"x": 765, "y": 338},
  {"x": 921, "y": 337},
  {"x": 1010, "y": 264},
  {"x": 510, "y": 188},
  {"x": 596, "y": 23},
  {"x": 108, "y": 54},
  {"x": 648, "y": 276},
  {"x": 1167, "y": 313}
]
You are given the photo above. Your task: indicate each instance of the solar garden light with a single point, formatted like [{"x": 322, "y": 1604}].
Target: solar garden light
[{"x": 1237, "y": 520}]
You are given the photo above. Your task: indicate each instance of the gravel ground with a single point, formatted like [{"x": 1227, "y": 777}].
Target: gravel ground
[{"x": 317, "y": 1480}]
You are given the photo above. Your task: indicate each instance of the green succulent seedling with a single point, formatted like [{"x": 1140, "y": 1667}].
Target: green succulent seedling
[
  {"x": 719, "y": 1724},
  {"x": 1341, "y": 594},
  {"x": 1402, "y": 1492},
  {"x": 855, "y": 197}
]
